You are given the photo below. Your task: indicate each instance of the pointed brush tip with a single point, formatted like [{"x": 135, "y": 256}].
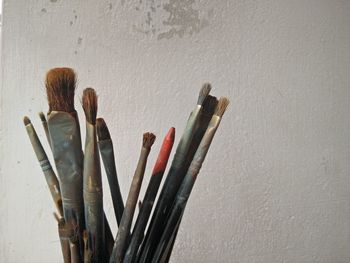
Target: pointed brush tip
[
  {"x": 204, "y": 92},
  {"x": 102, "y": 130},
  {"x": 171, "y": 134},
  {"x": 42, "y": 116},
  {"x": 89, "y": 101},
  {"x": 26, "y": 121}
]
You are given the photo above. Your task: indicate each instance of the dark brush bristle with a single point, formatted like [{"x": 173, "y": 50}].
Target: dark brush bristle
[
  {"x": 221, "y": 107},
  {"x": 26, "y": 120},
  {"x": 89, "y": 102},
  {"x": 102, "y": 130},
  {"x": 42, "y": 116},
  {"x": 210, "y": 104},
  {"x": 60, "y": 88},
  {"x": 203, "y": 94},
  {"x": 148, "y": 139}
]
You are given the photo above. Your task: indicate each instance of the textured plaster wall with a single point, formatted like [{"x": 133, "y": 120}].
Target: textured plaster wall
[{"x": 276, "y": 183}]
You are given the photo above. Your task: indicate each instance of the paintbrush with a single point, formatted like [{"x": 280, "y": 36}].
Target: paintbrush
[
  {"x": 206, "y": 114},
  {"x": 150, "y": 195},
  {"x": 65, "y": 141},
  {"x": 189, "y": 180},
  {"x": 120, "y": 243},
  {"x": 105, "y": 146},
  {"x": 50, "y": 176},
  {"x": 173, "y": 180},
  {"x": 45, "y": 126},
  {"x": 93, "y": 195}
]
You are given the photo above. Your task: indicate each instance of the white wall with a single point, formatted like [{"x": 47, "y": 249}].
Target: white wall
[{"x": 276, "y": 183}]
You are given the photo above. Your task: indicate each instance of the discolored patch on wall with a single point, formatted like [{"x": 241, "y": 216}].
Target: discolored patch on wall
[{"x": 173, "y": 18}]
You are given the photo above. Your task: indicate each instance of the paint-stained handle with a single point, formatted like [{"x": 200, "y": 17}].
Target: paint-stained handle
[{"x": 46, "y": 167}]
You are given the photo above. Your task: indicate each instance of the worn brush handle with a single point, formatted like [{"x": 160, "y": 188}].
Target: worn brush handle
[
  {"x": 121, "y": 240},
  {"x": 50, "y": 176},
  {"x": 170, "y": 187},
  {"x": 66, "y": 147},
  {"x": 151, "y": 193},
  {"x": 107, "y": 155},
  {"x": 93, "y": 196}
]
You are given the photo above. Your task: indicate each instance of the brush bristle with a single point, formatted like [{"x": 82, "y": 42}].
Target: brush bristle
[
  {"x": 203, "y": 94},
  {"x": 148, "y": 139},
  {"x": 60, "y": 88},
  {"x": 89, "y": 102},
  {"x": 102, "y": 130},
  {"x": 221, "y": 107},
  {"x": 210, "y": 104},
  {"x": 26, "y": 120},
  {"x": 42, "y": 116}
]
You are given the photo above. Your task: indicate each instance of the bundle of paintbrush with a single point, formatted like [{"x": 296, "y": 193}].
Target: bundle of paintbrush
[{"x": 77, "y": 192}]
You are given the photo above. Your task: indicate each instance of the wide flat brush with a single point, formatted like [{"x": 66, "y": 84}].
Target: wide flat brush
[
  {"x": 65, "y": 141},
  {"x": 120, "y": 243},
  {"x": 93, "y": 194},
  {"x": 189, "y": 180}
]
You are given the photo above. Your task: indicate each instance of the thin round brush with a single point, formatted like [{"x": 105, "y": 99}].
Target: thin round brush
[
  {"x": 120, "y": 243},
  {"x": 93, "y": 195},
  {"x": 65, "y": 141},
  {"x": 105, "y": 146},
  {"x": 151, "y": 193},
  {"x": 46, "y": 128},
  {"x": 50, "y": 176},
  {"x": 189, "y": 180},
  {"x": 173, "y": 180}
]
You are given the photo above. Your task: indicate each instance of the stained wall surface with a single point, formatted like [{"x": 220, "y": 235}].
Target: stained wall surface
[{"x": 275, "y": 186}]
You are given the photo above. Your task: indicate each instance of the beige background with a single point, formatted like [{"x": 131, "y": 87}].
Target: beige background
[{"x": 275, "y": 186}]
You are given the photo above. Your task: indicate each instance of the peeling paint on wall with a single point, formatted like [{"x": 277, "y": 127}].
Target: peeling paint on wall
[
  {"x": 183, "y": 18},
  {"x": 173, "y": 18}
]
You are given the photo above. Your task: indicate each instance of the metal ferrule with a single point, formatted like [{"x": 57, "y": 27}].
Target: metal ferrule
[
  {"x": 93, "y": 195},
  {"x": 66, "y": 148}
]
